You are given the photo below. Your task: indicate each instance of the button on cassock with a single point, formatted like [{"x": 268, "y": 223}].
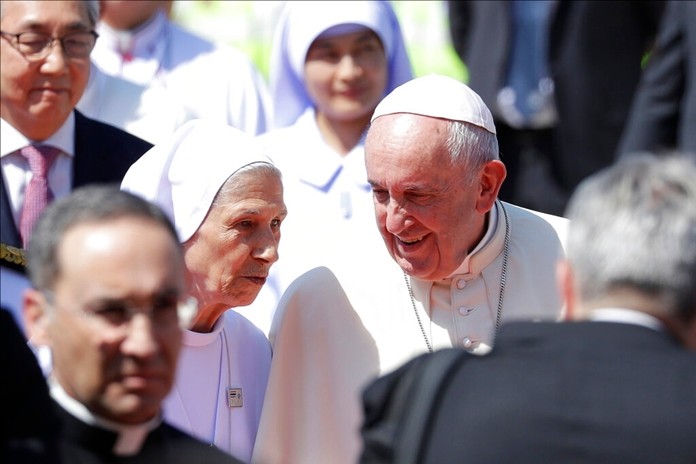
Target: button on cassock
[{"x": 464, "y": 311}]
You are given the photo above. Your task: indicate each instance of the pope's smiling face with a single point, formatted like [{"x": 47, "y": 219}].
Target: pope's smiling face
[
  {"x": 427, "y": 209},
  {"x": 38, "y": 95}
]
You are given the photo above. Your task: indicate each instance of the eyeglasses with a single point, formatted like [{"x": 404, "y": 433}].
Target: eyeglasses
[
  {"x": 165, "y": 311},
  {"x": 36, "y": 46}
]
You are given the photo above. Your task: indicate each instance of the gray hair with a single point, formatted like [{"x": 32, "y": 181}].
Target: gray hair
[
  {"x": 633, "y": 226},
  {"x": 471, "y": 145},
  {"x": 92, "y": 10},
  {"x": 89, "y": 204},
  {"x": 232, "y": 182}
]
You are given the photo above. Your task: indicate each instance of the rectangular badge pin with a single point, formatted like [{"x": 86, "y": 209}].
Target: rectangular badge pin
[{"x": 234, "y": 397}]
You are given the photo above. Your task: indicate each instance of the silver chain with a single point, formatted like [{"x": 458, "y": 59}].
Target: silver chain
[
  {"x": 413, "y": 303},
  {"x": 503, "y": 276}
]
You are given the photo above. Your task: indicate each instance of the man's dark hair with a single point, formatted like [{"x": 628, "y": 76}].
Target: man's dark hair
[{"x": 94, "y": 203}]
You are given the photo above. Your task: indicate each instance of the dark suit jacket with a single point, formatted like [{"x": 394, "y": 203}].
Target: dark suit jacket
[
  {"x": 30, "y": 430},
  {"x": 581, "y": 392},
  {"x": 663, "y": 116},
  {"x": 595, "y": 52},
  {"x": 85, "y": 444},
  {"x": 103, "y": 154}
]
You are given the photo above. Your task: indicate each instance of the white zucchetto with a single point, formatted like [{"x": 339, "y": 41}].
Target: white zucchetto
[{"x": 437, "y": 96}]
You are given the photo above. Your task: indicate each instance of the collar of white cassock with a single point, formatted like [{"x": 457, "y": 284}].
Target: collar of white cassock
[{"x": 130, "y": 437}]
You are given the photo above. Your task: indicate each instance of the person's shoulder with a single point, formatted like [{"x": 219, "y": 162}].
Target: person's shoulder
[
  {"x": 108, "y": 130},
  {"x": 110, "y": 137},
  {"x": 541, "y": 224}
]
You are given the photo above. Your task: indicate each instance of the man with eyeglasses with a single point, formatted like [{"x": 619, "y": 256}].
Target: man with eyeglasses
[
  {"x": 47, "y": 148},
  {"x": 108, "y": 298}
]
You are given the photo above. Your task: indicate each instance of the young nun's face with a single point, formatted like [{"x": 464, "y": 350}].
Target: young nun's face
[{"x": 346, "y": 75}]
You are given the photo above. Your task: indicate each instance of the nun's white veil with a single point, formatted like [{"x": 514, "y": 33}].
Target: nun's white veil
[{"x": 183, "y": 174}]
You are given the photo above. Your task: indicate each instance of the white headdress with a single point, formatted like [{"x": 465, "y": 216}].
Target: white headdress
[
  {"x": 184, "y": 173},
  {"x": 301, "y": 22}
]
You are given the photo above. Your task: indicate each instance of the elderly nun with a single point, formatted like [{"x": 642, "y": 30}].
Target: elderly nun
[{"x": 226, "y": 201}]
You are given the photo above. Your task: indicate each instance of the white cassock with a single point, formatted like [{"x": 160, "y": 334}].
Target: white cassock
[
  {"x": 212, "y": 81},
  {"x": 329, "y": 344},
  {"x": 210, "y": 370}
]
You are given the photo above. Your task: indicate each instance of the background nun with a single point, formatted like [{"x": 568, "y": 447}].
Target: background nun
[{"x": 331, "y": 63}]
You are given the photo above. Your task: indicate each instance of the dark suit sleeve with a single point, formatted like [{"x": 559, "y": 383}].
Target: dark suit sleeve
[{"x": 654, "y": 118}]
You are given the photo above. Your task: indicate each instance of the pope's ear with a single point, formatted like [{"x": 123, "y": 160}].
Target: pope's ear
[
  {"x": 491, "y": 179},
  {"x": 35, "y": 315}
]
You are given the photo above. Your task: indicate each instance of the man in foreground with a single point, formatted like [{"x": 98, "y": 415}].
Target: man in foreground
[{"x": 108, "y": 296}]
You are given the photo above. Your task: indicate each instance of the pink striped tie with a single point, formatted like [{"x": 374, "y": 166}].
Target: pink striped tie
[{"x": 37, "y": 194}]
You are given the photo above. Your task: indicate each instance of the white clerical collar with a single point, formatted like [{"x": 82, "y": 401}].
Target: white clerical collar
[
  {"x": 130, "y": 438},
  {"x": 64, "y": 138},
  {"x": 626, "y": 316},
  {"x": 192, "y": 338},
  {"x": 464, "y": 268}
]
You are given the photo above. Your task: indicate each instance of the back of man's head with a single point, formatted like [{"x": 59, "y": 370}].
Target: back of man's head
[{"x": 632, "y": 237}]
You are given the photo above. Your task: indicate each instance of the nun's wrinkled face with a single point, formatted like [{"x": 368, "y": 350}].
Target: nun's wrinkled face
[
  {"x": 231, "y": 253},
  {"x": 346, "y": 75}
]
